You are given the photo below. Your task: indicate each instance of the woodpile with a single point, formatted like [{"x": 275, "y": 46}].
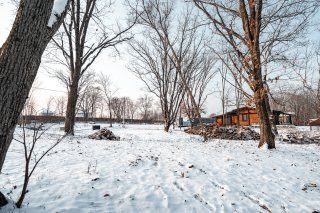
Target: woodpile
[
  {"x": 104, "y": 134},
  {"x": 227, "y": 133}
]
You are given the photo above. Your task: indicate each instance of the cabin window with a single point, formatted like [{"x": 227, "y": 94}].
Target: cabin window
[{"x": 245, "y": 117}]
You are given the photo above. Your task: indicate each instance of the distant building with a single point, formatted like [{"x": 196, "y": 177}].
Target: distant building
[
  {"x": 247, "y": 116},
  {"x": 47, "y": 113},
  {"x": 314, "y": 124},
  {"x": 80, "y": 115}
]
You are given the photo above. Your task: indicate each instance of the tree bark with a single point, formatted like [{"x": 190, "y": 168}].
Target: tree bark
[
  {"x": 266, "y": 133},
  {"x": 71, "y": 109},
  {"x": 20, "y": 58},
  {"x": 5, "y": 140},
  {"x": 167, "y": 125},
  {"x": 3, "y": 200},
  {"x": 188, "y": 91}
]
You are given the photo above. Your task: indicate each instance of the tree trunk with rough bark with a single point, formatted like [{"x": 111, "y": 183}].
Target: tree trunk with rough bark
[
  {"x": 262, "y": 106},
  {"x": 3, "y": 200},
  {"x": 71, "y": 109},
  {"x": 266, "y": 133},
  {"x": 261, "y": 100},
  {"x": 167, "y": 124},
  {"x": 20, "y": 58}
]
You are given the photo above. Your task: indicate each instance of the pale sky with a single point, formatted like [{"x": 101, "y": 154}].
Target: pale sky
[{"x": 116, "y": 67}]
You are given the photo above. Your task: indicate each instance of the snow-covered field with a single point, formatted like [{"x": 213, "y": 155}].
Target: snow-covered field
[{"x": 152, "y": 171}]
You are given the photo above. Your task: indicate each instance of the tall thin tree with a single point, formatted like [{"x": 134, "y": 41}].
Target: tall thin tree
[{"x": 84, "y": 36}]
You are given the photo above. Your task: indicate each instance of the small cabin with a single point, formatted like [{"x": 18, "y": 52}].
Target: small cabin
[
  {"x": 314, "y": 124},
  {"x": 248, "y": 116}
]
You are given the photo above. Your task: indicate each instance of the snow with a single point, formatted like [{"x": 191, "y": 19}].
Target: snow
[
  {"x": 152, "y": 171},
  {"x": 58, "y": 7}
]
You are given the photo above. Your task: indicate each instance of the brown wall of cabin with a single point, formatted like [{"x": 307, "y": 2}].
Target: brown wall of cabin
[{"x": 253, "y": 118}]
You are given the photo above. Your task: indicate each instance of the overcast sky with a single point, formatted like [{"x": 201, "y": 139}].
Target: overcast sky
[{"x": 116, "y": 67}]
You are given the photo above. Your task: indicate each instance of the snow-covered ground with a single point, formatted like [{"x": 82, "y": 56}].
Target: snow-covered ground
[{"x": 152, "y": 171}]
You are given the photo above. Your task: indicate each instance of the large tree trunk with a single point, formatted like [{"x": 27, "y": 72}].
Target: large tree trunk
[
  {"x": 20, "y": 58},
  {"x": 5, "y": 141},
  {"x": 71, "y": 109},
  {"x": 262, "y": 103},
  {"x": 3, "y": 200},
  {"x": 266, "y": 133}
]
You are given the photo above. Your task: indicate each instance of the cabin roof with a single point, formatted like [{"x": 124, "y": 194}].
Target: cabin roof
[
  {"x": 314, "y": 122},
  {"x": 235, "y": 111}
]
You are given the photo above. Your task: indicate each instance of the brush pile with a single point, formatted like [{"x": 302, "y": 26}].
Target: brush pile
[
  {"x": 300, "y": 137},
  {"x": 104, "y": 134},
  {"x": 226, "y": 133}
]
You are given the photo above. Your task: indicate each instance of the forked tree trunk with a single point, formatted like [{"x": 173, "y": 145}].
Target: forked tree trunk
[
  {"x": 262, "y": 104},
  {"x": 20, "y": 58},
  {"x": 266, "y": 133},
  {"x": 167, "y": 125}
]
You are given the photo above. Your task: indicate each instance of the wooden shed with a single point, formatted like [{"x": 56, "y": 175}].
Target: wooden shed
[
  {"x": 247, "y": 116},
  {"x": 314, "y": 124}
]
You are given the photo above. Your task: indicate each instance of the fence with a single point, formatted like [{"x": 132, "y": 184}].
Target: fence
[{"x": 58, "y": 119}]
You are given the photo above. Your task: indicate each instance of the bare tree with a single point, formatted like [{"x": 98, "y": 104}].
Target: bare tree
[
  {"x": 306, "y": 66},
  {"x": 153, "y": 66},
  {"x": 108, "y": 91},
  {"x": 181, "y": 35},
  {"x": 224, "y": 96},
  {"x": 132, "y": 108},
  {"x": 88, "y": 102},
  {"x": 47, "y": 110},
  {"x": 117, "y": 107},
  {"x": 255, "y": 32},
  {"x": 199, "y": 79},
  {"x": 145, "y": 107},
  {"x": 84, "y": 36},
  {"x": 32, "y": 158},
  {"x": 60, "y": 103},
  {"x": 20, "y": 58},
  {"x": 124, "y": 108},
  {"x": 298, "y": 91},
  {"x": 29, "y": 107},
  {"x": 297, "y": 100}
]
